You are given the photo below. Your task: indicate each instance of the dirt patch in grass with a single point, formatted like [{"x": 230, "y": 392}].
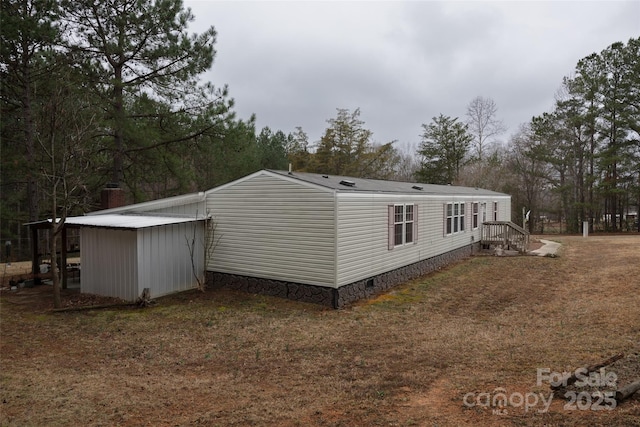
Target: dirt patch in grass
[
  {"x": 409, "y": 357},
  {"x": 39, "y": 299}
]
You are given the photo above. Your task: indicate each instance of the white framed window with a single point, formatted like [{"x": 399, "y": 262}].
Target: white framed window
[
  {"x": 408, "y": 223},
  {"x": 449, "y": 218},
  {"x": 403, "y": 225},
  {"x": 454, "y": 218},
  {"x": 495, "y": 211},
  {"x": 398, "y": 225},
  {"x": 474, "y": 215}
]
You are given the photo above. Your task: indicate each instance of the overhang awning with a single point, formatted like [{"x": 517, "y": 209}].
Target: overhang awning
[
  {"x": 42, "y": 224},
  {"x": 129, "y": 222},
  {"x": 113, "y": 221}
]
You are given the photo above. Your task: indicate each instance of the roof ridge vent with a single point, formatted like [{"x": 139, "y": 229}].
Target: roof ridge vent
[
  {"x": 348, "y": 183},
  {"x": 417, "y": 187}
]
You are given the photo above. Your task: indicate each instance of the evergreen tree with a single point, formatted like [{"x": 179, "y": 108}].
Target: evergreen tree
[
  {"x": 346, "y": 149},
  {"x": 30, "y": 31},
  {"x": 591, "y": 140},
  {"x": 226, "y": 155},
  {"x": 444, "y": 148},
  {"x": 297, "y": 149},
  {"x": 135, "y": 48},
  {"x": 272, "y": 149}
]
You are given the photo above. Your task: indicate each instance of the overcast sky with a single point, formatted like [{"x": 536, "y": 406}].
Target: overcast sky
[{"x": 402, "y": 63}]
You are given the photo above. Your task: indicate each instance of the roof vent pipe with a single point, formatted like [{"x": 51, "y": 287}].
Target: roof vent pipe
[{"x": 290, "y": 169}]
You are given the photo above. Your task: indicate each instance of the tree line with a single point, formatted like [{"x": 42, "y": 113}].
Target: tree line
[
  {"x": 98, "y": 93},
  {"x": 580, "y": 162}
]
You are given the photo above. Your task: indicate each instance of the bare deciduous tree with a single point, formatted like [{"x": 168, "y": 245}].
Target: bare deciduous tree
[
  {"x": 483, "y": 124},
  {"x": 208, "y": 243},
  {"x": 66, "y": 127},
  {"x": 407, "y": 166},
  {"x": 527, "y": 160}
]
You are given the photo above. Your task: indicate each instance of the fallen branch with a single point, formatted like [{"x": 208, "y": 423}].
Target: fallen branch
[
  {"x": 91, "y": 307},
  {"x": 627, "y": 391},
  {"x": 573, "y": 378}
]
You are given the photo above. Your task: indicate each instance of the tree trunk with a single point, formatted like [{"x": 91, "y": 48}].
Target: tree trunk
[
  {"x": 627, "y": 391},
  {"x": 55, "y": 277},
  {"x": 53, "y": 249},
  {"x": 29, "y": 141},
  {"x": 118, "y": 105},
  {"x": 573, "y": 378}
]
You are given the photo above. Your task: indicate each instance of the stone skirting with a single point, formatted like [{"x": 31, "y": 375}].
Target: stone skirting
[
  {"x": 295, "y": 291},
  {"x": 343, "y": 296}
]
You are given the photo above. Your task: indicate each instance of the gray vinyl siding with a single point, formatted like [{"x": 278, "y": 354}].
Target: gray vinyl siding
[
  {"x": 274, "y": 228},
  {"x": 504, "y": 209},
  {"x": 363, "y": 250}
]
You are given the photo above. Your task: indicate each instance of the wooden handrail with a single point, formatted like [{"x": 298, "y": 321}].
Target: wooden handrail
[{"x": 506, "y": 233}]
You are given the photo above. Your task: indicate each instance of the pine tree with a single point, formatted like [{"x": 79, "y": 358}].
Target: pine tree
[
  {"x": 134, "y": 48},
  {"x": 30, "y": 31},
  {"x": 444, "y": 148},
  {"x": 346, "y": 148}
]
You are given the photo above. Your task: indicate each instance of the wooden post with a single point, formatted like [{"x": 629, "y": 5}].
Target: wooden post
[
  {"x": 505, "y": 234},
  {"x": 35, "y": 262},
  {"x": 63, "y": 256}
]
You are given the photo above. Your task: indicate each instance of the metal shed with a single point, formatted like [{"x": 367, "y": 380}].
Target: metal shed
[{"x": 124, "y": 254}]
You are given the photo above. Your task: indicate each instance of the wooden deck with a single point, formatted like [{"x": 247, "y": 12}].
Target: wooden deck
[{"x": 505, "y": 233}]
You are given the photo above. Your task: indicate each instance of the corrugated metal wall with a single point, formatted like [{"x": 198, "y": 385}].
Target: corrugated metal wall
[
  {"x": 121, "y": 263},
  {"x": 274, "y": 228},
  {"x": 164, "y": 261},
  {"x": 363, "y": 232},
  {"x": 109, "y": 262}
]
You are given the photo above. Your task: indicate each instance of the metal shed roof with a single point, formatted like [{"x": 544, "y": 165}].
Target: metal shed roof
[
  {"x": 351, "y": 184},
  {"x": 130, "y": 222},
  {"x": 127, "y": 222}
]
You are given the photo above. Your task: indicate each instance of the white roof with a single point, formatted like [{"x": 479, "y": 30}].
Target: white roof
[{"x": 128, "y": 221}]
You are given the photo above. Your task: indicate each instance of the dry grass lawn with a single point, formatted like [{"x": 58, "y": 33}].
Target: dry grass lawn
[{"x": 406, "y": 358}]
